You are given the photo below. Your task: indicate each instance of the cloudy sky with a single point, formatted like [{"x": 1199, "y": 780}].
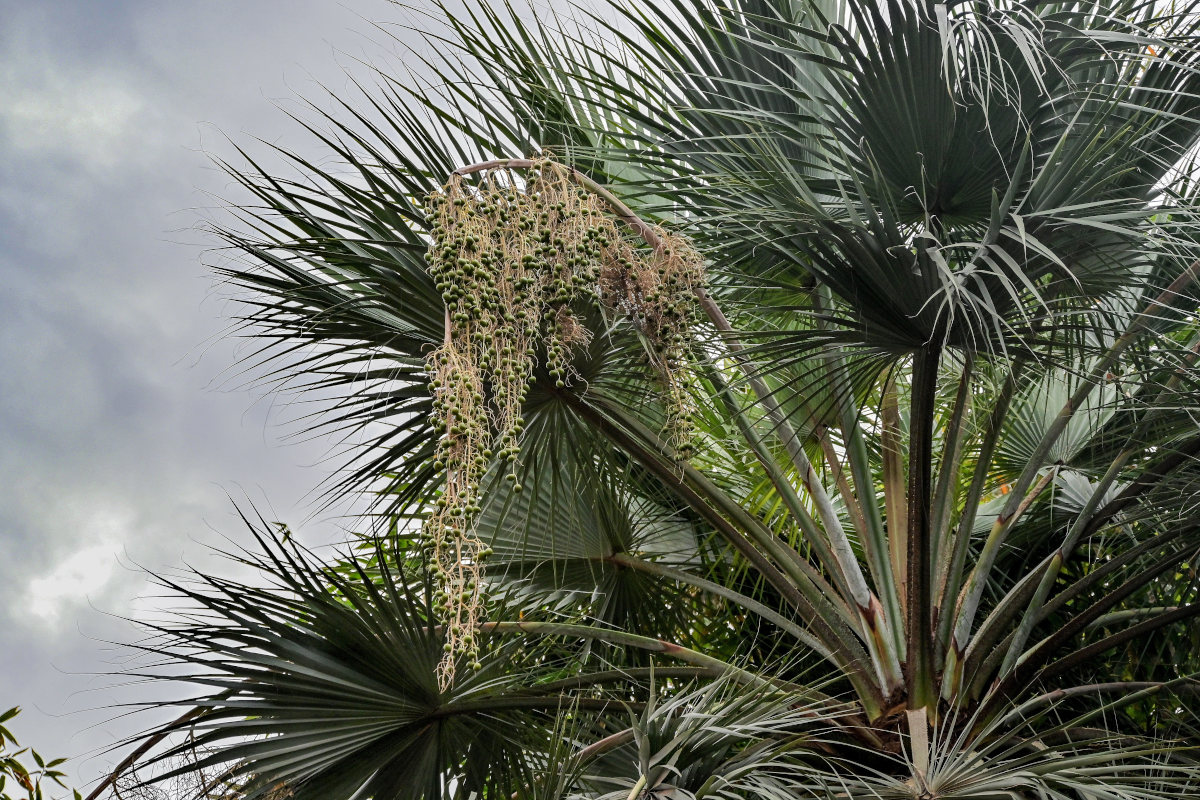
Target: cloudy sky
[{"x": 123, "y": 434}]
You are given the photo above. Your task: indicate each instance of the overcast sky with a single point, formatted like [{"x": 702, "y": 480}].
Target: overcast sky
[{"x": 121, "y": 434}]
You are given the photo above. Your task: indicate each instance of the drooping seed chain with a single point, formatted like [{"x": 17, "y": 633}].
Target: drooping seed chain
[{"x": 515, "y": 258}]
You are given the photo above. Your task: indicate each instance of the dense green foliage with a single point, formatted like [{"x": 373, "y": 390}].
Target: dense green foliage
[
  {"x": 24, "y": 773},
  {"x": 930, "y": 529}
]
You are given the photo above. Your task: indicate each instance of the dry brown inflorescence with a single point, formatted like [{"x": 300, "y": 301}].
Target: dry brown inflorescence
[{"x": 517, "y": 255}]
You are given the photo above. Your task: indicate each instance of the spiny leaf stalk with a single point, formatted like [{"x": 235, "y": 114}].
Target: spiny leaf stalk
[{"x": 518, "y": 257}]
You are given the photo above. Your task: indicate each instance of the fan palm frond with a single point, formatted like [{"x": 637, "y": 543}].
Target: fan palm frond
[{"x": 931, "y": 526}]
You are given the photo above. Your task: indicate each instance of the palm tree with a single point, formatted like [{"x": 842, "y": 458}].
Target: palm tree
[{"x": 841, "y": 361}]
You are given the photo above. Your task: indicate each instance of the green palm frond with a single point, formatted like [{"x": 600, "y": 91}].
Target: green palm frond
[
  {"x": 358, "y": 687},
  {"x": 936, "y": 527}
]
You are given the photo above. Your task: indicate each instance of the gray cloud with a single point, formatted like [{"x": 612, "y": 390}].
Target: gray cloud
[{"x": 120, "y": 439}]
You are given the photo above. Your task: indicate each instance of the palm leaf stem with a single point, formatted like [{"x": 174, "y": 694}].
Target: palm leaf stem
[
  {"x": 987, "y": 715},
  {"x": 918, "y": 628},
  {"x": 588, "y": 679},
  {"x": 949, "y": 598},
  {"x": 1020, "y": 677},
  {"x": 830, "y": 624},
  {"x": 953, "y": 673},
  {"x": 742, "y": 601},
  {"x": 838, "y": 540},
  {"x": 1180, "y": 454},
  {"x": 977, "y": 580},
  {"x": 813, "y": 534},
  {"x": 1096, "y": 577},
  {"x": 862, "y": 502},
  {"x": 1087, "y": 618},
  {"x": 985, "y": 641},
  {"x": 875, "y": 628},
  {"x": 944, "y": 493},
  {"x": 1059, "y": 557},
  {"x": 982, "y": 659},
  {"x": 610, "y": 742},
  {"x": 795, "y": 566},
  {"x": 874, "y": 536},
  {"x": 894, "y": 488},
  {"x": 626, "y": 639},
  {"x": 1126, "y": 614},
  {"x": 1142, "y": 688},
  {"x": 833, "y": 461},
  {"x": 1075, "y": 532}
]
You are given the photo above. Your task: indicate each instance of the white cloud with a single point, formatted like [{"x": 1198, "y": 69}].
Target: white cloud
[
  {"x": 83, "y": 115},
  {"x": 83, "y": 574},
  {"x": 113, "y": 455}
]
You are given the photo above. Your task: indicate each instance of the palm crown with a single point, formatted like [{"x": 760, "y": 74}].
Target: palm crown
[{"x": 892, "y": 493}]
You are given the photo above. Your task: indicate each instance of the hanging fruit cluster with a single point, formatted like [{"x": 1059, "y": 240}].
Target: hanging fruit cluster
[
  {"x": 514, "y": 256},
  {"x": 658, "y": 295}
]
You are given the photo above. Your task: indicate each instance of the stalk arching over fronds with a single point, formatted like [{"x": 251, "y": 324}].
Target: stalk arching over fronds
[{"x": 763, "y": 399}]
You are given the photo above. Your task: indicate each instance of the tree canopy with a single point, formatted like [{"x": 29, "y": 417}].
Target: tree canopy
[{"x": 760, "y": 399}]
